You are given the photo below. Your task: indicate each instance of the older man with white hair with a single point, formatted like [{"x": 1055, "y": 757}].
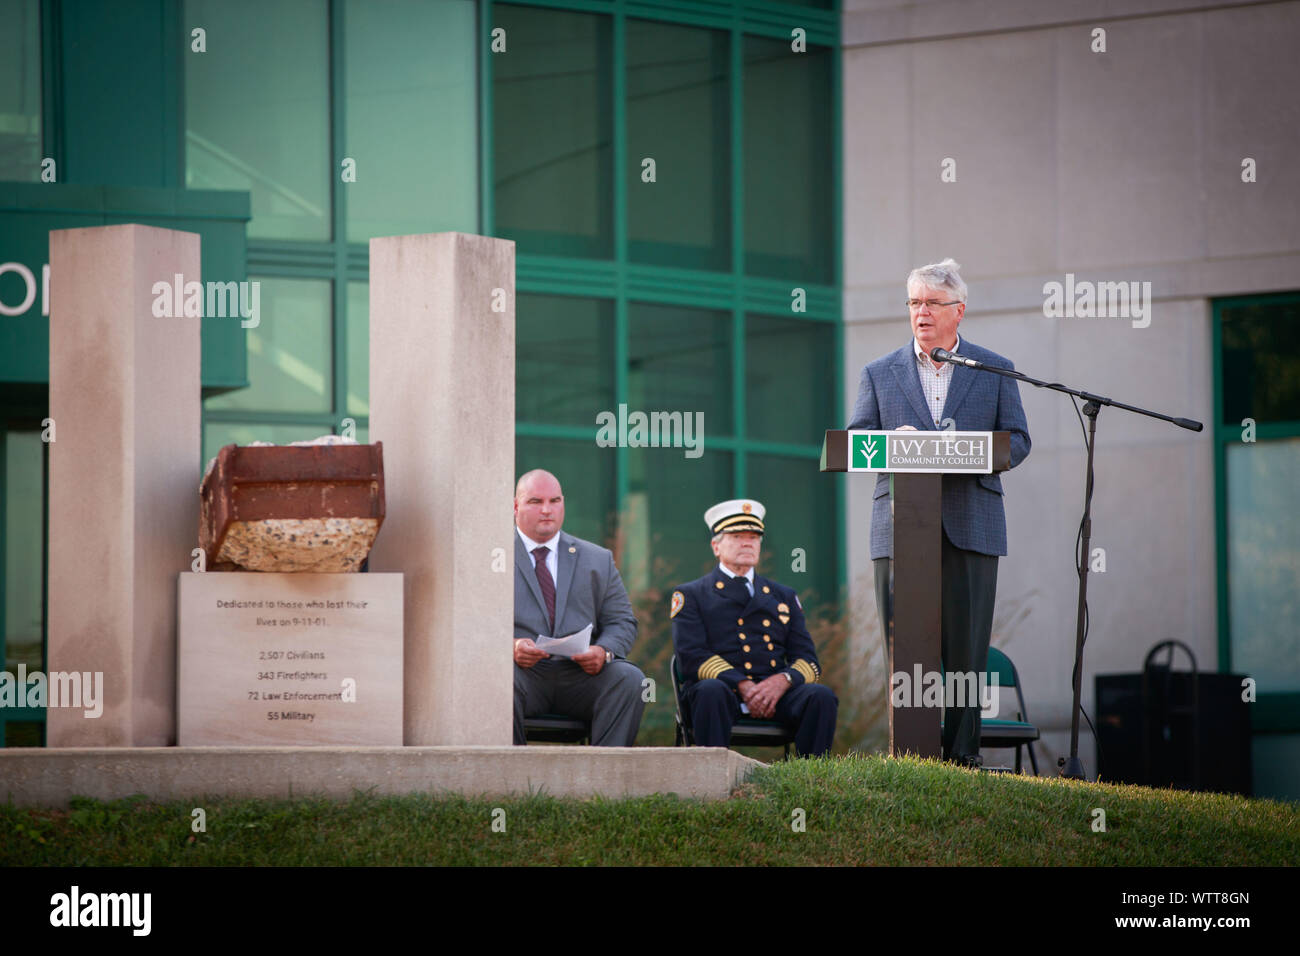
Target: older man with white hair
[
  {"x": 743, "y": 645},
  {"x": 907, "y": 390}
]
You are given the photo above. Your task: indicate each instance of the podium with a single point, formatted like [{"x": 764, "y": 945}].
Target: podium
[{"x": 916, "y": 462}]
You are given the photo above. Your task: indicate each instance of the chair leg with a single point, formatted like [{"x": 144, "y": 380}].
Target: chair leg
[
  {"x": 1033, "y": 761},
  {"x": 1018, "y": 746}
]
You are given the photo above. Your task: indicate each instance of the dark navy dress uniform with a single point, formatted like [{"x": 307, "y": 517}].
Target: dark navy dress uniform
[{"x": 723, "y": 636}]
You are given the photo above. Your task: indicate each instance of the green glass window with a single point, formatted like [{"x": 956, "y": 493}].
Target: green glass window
[
  {"x": 412, "y": 123},
  {"x": 216, "y": 435},
  {"x": 23, "y": 533},
  {"x": 678, "y": 115},
  {"x": 20, "y": 91},
  {"x": 665, "y": 539},
  {"x": 289, "y": 351},
  {"x": 564, "y": 360},
  {"x": 358, "y": 362},
  {"x": 1264, "y": 561},
  {"x": 1257, "y": 472},
  {"x": 257, "y": 111},
  {"x": 680, "y": 360},
  {"x": 586, "y": 474},
  {"x": 1261, "y": 362},
  {"x": 790, "y": 379},
  {"x": 552, "y": 131},
  {"x": 788, "y": 168},
  {"x": 23, "y": 733},
  {"x": 800, "y": 525}
]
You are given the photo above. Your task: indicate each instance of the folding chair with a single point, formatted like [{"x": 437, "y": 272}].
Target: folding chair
[
  {"x": 557, "y": 729},
  {"x": 1008, "y": 733},
  {"x": 747, "y": 731}
]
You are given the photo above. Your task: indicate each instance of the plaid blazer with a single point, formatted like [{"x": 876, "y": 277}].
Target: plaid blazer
[{"x": 889, "y": 396}]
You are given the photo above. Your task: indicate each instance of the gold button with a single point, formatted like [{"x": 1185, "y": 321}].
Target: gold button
[
  {"x": 748, "y": 665},
  {"x": 767, "y": 623},
  {"x": 773, "y": 663},
  {"x": 746, "y": 648},
  {"x": 719, "y": 585},
  {"x": 770, "y": 647},
  {"x": 740, "y": 621},
  {"x": 741, "y": 636},
  {"x": 766, "y": 589},
  {"x": 767, "y": 637}
]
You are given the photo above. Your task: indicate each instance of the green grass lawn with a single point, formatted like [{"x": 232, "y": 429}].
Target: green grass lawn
[{"x": 857, "y": 810}]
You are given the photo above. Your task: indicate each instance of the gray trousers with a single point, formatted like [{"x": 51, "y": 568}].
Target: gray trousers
[
  {"x": 611, "y": 700},
  {"x": 970, "y": 582}
]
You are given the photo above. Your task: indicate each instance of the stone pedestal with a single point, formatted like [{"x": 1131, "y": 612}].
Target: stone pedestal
[
  {"x": 123, "y": 480},
  {"x": 442, "y": 400},
  {"x": 289, "y": 660}
]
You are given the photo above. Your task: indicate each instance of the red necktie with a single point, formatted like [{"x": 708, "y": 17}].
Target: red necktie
[{"x": 547, "y": 584}]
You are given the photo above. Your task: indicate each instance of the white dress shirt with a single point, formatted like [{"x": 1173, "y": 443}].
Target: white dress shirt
[
  {"x": 552, "y": 559},
  {"x": 934, "y": 381}
]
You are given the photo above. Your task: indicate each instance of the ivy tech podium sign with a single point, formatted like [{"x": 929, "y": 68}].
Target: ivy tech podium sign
[
  {"x": 913, "y": 452},
  {"x": 916, "y": 463}
]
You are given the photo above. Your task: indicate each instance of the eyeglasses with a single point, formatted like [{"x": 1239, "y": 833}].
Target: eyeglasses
[{"x": 933, "y": 304}]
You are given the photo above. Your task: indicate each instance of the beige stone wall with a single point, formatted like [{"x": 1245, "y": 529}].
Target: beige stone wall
[{"x": 1123, "y": 165}]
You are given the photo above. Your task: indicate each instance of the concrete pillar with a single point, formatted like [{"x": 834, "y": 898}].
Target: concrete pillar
[
  {"x": 442, "y": 400},
  {"x": 123, "y": 495}
]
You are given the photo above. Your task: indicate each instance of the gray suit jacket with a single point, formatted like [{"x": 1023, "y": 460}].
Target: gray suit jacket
[{"x": 588, "y": 590}]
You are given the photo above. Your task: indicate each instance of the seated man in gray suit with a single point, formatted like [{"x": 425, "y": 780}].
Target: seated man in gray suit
[{"x": 562, "y": 584}]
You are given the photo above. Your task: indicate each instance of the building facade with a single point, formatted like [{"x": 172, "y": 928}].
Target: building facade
[
  {"x": 667, "y": 171},
  {"x": 715, "y": 205},
  {"x": 1040, "y": 144}
]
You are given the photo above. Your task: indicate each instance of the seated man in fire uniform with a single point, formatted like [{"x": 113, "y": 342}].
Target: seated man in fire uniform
[{"x": 741, "y": 639}]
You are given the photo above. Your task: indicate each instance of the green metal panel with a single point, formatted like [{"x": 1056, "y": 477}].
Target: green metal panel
[
  {"x": 487, "y": 218},
  {"x": 120, "y": 118},
  {"x": 736, "y": 116},
  {"x": 837, "y": 221},
  {"x": 768, "y": 19},
  {"x": 338, "y": 128},
  {"x": 1272, "y": 712},
  {"x": 52, "y": 82},
  {"x": 28, "y": 211},
  {"x": 622, "y": 472}
]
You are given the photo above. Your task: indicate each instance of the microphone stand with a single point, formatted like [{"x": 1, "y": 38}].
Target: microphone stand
[{"x": 1072, "y": 767}]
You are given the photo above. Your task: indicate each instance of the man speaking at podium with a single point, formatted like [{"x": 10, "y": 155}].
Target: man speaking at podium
[{"x": 906, "y": 390}]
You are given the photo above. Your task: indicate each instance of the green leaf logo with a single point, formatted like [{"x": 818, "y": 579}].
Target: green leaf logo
[{"x": 869, "y": 451}]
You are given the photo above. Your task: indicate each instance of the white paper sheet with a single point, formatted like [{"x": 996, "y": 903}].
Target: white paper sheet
[{"x": 569, "y": 646}]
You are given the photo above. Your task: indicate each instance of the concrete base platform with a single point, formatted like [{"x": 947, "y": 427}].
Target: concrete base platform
[{"x": 50, "y": 777}]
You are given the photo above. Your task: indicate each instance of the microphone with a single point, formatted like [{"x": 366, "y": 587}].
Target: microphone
[{"x": 943, "y": 355}]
